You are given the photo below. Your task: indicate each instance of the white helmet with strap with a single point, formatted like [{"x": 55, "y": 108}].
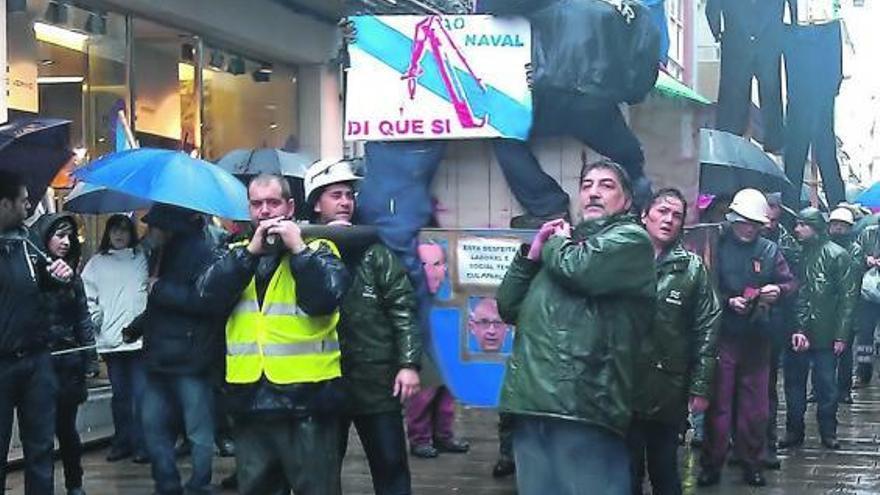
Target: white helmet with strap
[
  {"x": 751, "y": 205},
  {"x": 328, "y": 171}
]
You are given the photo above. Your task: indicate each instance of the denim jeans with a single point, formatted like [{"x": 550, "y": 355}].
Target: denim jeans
[
  {"x": 845, "y": 371},
  {"x": 29, "y": 387},
  {"x": 166, "y": 397},
  {"x": 127, "y": 376},
  {"x": 655, "y": 444},
  {"x": 384, "y": 443},
  {"x": 562, "y": 457},
  {"x": 797, "y": 368}
]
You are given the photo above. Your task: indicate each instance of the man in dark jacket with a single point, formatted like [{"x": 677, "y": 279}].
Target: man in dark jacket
[
  {"x": 752, "y": 277},
  {"x": 181, "y": 333},
  {"x": 825, "y": 304},
  {"x": 27, "y": 383},
  {"x": 782, "y": 321},
  {"x": 581, "y": 302},
  {"x": 282, "y": 298},
  {"x": 379, "y": 336},
  {"x": 840, "y": 231},
  {"x": 677, "y": 361},
  {"x": 71, "y": 339}
]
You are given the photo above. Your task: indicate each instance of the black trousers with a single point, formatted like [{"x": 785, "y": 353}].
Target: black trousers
[
  {"x": 741, "y": 60},
  {"x": 28, "y": 387},
  {"x": 654, "y": 445},
  {"x": 384, "y": 443},
  {"x": 69, "y": 443},
  {"x": 275, "y": 455},
  {"x": 505, "y": 435},
  {"x": 812, "y": 87},
  {"x": 602, "y": 127}
]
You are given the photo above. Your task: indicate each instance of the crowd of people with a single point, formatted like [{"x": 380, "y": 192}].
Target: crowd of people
[{"x": 622, "y": 333}]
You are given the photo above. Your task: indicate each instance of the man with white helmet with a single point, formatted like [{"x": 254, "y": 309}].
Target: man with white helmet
[
  {"x": 378, "y": 334},
  {"x": 752, "y": 276},
  {"x": 840, "y": 230}
]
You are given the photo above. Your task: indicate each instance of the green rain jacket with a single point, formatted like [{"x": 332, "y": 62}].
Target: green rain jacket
[
  {"x": 580, "y": 315},
  {"x": 378, "y": 331},
  {"x": 828, "y": 293},
  {"x": 677, "y": 359}
]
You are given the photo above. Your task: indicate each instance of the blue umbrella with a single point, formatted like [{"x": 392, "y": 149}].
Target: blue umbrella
[
  {"x": 170, "y": 177},
  {"x": 870, "y": 197},
  {"x": 96, "y": 200}
]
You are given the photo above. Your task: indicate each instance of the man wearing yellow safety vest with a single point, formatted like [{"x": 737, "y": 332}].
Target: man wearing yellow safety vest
[{"x": 282, "y": 297}]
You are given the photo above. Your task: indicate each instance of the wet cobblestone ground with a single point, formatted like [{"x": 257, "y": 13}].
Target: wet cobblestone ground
[{"x": 807, "y": 471}]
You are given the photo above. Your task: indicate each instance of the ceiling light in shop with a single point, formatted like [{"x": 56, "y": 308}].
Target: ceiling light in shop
[
  {"x": 56, "y": 13},
  {"x": 217, "y": 60},
  {"x": 60, "y": 79},
  {"x": 236, "y": 66},
  {"x": 47, "y": 62},
  {"x": 59, "y": 36},
  {"x": 265, "y": 68},
  {"x": 273, "y": 126},
  {"x": 96, "y": 24}
]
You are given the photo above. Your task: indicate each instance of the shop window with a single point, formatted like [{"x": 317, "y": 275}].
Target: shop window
[{"x": 247, "y": 104}]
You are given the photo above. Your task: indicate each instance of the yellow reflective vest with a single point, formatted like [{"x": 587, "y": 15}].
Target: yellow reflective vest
[{"x": 279, "y": 339}]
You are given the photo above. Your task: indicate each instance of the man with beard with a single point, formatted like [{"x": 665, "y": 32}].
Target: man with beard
[{"x": 27, "y": 381}]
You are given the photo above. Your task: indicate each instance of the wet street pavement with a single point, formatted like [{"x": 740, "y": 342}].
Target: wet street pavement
[{"x": 807, "y": 471}]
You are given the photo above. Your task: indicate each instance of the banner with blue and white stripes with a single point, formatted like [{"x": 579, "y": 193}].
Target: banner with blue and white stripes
[{"x": 438, "y": 77}]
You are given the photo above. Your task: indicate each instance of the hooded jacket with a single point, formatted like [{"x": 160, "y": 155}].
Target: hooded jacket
[
  {"x": 580, "y": 315},
  {"x": 829, "y": 287},
  {"x": 66, "y": 309},
  {"x": 23, "y": 328},
  {"x": 677, "y": 358}
]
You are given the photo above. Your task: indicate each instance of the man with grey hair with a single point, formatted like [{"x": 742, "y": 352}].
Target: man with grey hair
[{"x": 581, "y": 300}]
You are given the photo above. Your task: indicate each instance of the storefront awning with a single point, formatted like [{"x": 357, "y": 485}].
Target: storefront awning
[{"x": 669, "y": 86}]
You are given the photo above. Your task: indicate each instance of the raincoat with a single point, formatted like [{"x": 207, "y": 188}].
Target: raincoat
[{"x": 580, "y": 315}]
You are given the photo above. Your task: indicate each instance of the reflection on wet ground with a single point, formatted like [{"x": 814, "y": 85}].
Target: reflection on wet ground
[{"x": 807, "y": 471}]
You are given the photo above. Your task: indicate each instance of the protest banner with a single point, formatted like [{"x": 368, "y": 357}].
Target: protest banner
[{"x": 438, "y": 77}]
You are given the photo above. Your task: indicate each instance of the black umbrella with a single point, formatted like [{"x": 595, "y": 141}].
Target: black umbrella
[
  {"x": 36, "y": 149},
  {"x": 729, "y": 163}
]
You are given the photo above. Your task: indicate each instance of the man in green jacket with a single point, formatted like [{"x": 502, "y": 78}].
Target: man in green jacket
[
  {"x": 840, "y": 226},
  {"x": 677, "y": 362},
  {"x": 867, "y": 312},
  {"x": 378, "y": 334},
  {"x": 581, "y": 301},
  {"x": 824, "y": 306}
]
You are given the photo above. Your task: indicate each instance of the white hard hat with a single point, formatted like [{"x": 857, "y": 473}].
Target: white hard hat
[
  {"x": 750, "y": 204},
  {"x": 844, "y": 215},
  {"x": 328, "y": 171}
]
